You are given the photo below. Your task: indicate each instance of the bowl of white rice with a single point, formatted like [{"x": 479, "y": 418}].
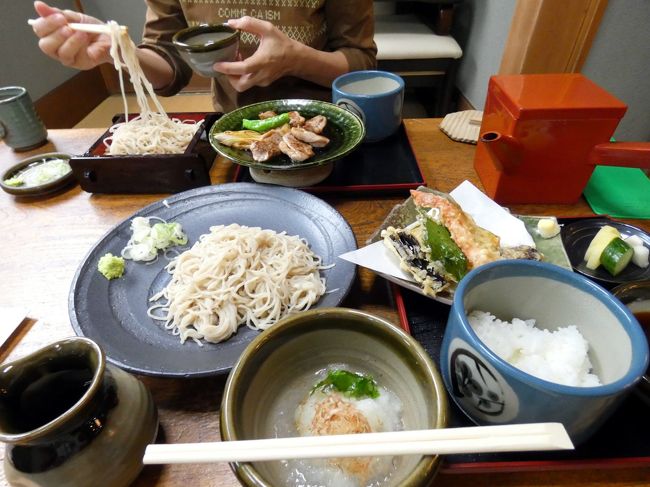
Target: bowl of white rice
[{"x": 532, "y": 342}]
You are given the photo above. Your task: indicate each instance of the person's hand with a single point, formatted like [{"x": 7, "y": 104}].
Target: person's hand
[
  {"x": 273, "y": 59},
  {"x": 79, "y": 50}
]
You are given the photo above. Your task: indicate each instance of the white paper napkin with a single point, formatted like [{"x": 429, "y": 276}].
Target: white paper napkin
[
  {"x": 491, "y": 216},
  {"x": 379, "y": 258},
  {"x": 485, "y": 212}
]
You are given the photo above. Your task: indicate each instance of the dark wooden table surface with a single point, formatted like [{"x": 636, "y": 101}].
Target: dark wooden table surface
[{"x": 43, "y": 241}]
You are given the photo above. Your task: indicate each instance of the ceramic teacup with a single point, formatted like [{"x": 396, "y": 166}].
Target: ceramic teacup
[
  {"x": 203, "y": 45},
  {"x": 374, "y": 96},
  {"x": 20, "y": 126}
]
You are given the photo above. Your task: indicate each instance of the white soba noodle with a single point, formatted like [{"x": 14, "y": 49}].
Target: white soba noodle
[
  {"x": 238, "y": 275},
  {"x": 152, "y": 132}
]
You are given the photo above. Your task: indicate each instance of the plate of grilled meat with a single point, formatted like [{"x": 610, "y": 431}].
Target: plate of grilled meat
[{"x": 287, "y": 134}]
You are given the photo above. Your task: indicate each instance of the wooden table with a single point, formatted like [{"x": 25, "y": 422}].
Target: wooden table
[{"x": 43, "y": 241}]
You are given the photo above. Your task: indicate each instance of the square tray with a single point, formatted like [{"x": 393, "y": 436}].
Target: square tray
[
  {"x": 148, "y": 174},
  {"x": 622, "y": 441},
  {"x": 387, "y": 166}
]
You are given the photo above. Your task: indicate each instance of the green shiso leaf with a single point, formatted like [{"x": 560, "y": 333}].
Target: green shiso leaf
[{"x": 350, "y": 384}]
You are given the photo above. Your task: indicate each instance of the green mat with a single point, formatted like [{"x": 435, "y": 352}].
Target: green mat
[{"x": 621, "y": 192}]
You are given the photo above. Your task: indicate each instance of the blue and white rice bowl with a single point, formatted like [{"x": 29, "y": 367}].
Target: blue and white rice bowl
[{"x": 492, "y": 391}]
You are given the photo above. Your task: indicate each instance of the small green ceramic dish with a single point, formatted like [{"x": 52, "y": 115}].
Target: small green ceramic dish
[
  {"x": 279, "y": 368},
  {"x": 344, "y": 129},
  {"x": 38, "y": 175}
]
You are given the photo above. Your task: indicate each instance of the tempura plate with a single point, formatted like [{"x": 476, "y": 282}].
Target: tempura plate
[
  {"x": 405, "y": 213},
  {"x": 114, "y": 313}
]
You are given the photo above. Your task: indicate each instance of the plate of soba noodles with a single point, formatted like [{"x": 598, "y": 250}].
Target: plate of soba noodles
[
  {"x": 182, "y": 286},
  {"x": 287, "y": 135},
  {"x": 149, "y": 151}
]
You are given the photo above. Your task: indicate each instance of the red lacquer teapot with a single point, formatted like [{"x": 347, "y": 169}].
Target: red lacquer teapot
[{"x": 543, "y": 134}]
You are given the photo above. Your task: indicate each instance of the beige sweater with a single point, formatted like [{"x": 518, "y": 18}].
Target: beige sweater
[{"x": 328, "y": 25}]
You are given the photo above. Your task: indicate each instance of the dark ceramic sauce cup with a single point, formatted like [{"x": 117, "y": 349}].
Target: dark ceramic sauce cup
[
  {"x": 203, "y": 45},
  {"x": 69, "y": 418}
]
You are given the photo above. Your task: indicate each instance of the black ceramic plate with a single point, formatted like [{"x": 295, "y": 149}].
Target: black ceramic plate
[
  {"x": 344, "y": 129},
  {"x": 114, "y": 313},
  {"x": 578, "y": 235},
  {"x": 40, "y": 189}
]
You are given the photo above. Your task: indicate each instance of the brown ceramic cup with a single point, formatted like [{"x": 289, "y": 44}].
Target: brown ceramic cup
[{"x": 69, "y": 418}]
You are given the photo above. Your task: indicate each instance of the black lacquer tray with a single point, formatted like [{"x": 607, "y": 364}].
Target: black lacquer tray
[
  {"x": 387, "y": 166},
  {"x": 623, "y": 441},
  {"x": 98, "y": 172}
]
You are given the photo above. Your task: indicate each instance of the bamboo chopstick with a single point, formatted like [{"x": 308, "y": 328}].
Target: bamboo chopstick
[
  {"x": 92, "y": 28},
  {"x": 477, "y": 439}
]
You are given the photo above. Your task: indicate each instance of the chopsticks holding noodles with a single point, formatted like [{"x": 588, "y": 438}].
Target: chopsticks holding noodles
[
  {"x": 91, "y": 28},
  {"x": 476, "y": 439}
]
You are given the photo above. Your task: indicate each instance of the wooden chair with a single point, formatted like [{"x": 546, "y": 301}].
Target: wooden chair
[{"x": 414, "y": 40}]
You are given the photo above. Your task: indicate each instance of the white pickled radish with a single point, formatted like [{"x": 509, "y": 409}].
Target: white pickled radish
[
  {"x": 640, "y": 256},
  {"x": 634, "y": 241}
]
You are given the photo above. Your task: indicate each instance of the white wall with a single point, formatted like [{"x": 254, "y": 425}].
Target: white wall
[
  {"x": 619, "y": 59},
  {"x": 481, "y": 27},
  {"x": 23, "y": 63},
  {"x": 125, "y": 12}
]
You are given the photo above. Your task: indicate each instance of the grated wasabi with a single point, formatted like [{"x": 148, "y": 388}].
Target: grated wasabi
[{"x": 110, "y": 266}]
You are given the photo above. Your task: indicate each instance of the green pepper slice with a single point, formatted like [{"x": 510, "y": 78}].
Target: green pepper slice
[
  {"x": 266, "y": 124},
  {"x": 444, "y": 249}
]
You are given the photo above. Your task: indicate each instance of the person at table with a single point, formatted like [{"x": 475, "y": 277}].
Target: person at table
[{"x": 297, "y": 53}]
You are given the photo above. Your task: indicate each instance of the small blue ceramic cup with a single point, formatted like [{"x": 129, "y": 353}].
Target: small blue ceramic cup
[
  {"x": 376, "y": 97},
  {"x": 491, "y": 391}
]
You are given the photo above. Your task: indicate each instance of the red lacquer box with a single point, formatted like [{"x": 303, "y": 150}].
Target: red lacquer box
[{"x": 543, "y": 134}]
